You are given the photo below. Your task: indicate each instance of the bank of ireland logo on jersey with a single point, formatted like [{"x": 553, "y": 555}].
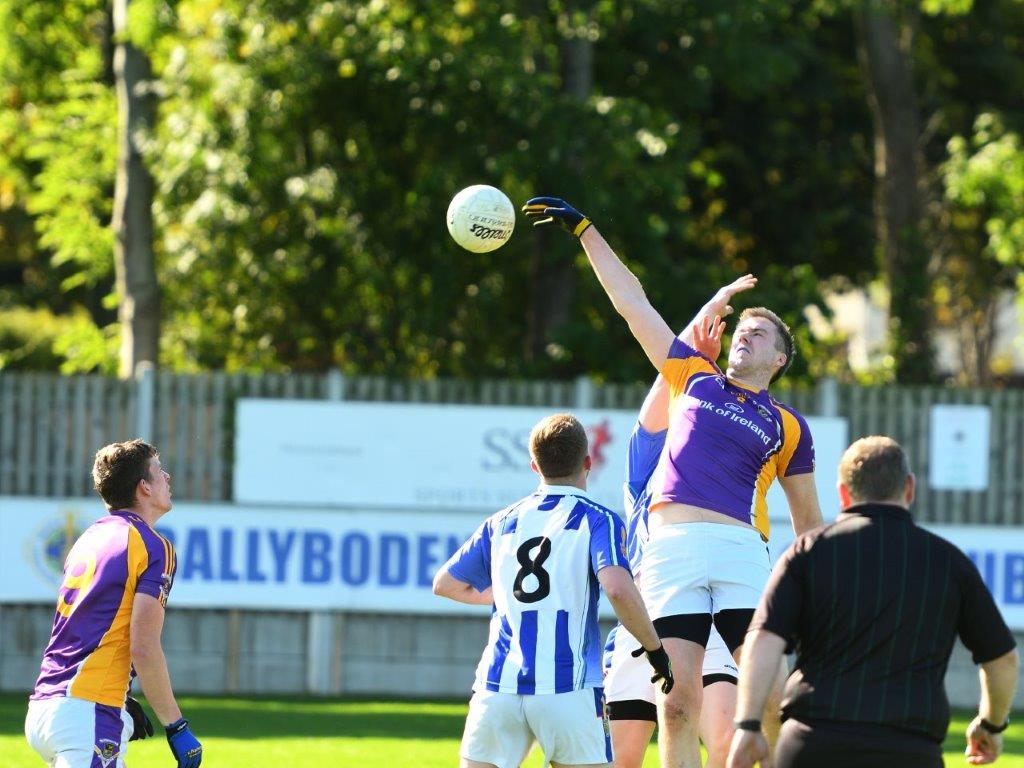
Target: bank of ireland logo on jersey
[{"x": 53, "y": 541}]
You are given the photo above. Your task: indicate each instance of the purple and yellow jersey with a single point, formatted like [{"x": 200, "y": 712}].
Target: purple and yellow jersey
[
  {"x": 89, "y": 653},
  {"x": 726, "y": 443}
]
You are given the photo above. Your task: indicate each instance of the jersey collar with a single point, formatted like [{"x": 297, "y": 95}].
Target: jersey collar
[
  {"x": 744, "y": 387},
  {"x": 560, "y": 490},
  {"x": 878, "y": 509}
]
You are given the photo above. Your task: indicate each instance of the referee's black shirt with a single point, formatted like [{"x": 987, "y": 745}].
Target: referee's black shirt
[{"x": 872, "y": 604}]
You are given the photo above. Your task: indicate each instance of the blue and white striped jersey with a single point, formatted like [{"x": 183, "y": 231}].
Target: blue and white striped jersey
[
  {"x": 641, "y": 460},
  {"x": 541, "y": 556}
]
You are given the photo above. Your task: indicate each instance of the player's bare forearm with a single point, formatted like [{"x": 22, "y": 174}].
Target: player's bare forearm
[
  {"x": 446, "y": 585},
  {"x": 759, "y": 666},
  {"x": 654, "y": 411},
  {"x": 628, "y": 605},
  {"x": 628, "y": 298},
  {"x": 998, "y": 684},
  {"x": 802, "y": 495},
  {"x": 148, "y": 658}
]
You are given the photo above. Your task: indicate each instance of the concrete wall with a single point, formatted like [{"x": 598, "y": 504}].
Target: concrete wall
[{"x": 326, "y": 654}]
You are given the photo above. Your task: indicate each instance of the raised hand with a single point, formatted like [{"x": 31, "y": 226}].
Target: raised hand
[
  {"x": 719, "y": 304},
  {"x": 552, "y": 211},
  {"x": 707, "y": 336}
]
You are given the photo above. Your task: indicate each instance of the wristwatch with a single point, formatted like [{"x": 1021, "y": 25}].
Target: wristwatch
[
  {"x": 992, "y": 728},
  {"x": 747, "y": 725}
]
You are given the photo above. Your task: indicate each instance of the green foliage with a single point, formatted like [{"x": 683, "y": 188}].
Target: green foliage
[
  {"x": 306, "y": 157},
  {"x": 305, "y": 154},
  {"x": 985, "y": 176},
  {"x": 36, "y": 339}
]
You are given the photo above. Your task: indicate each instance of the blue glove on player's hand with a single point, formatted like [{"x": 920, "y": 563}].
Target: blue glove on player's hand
[
  {"x": 142, "y": 726},
  {"x": 184, "y": 746},
  {"x": 549, "y": 211}
]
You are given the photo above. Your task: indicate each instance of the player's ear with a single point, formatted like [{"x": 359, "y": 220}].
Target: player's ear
[
  {"x": 845, "y": 497},
  {"x": 534, "y": 467},
  {"x": 587, "y": 462}
]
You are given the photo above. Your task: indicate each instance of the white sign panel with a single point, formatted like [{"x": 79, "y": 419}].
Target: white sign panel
[
  {"x": 366, "y": 455},
  {"x": 384, "y": 561},
  {"x": 264, "y": 558},
  {"x": 959, "y": 447}
]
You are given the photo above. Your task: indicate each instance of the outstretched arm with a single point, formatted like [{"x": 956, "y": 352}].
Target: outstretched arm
[
  {"x": 628, "y": 298},
  {"x": 621, "y": 285}
]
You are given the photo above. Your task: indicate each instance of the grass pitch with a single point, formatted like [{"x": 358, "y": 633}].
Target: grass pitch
[{"x": 245, "y": 733}]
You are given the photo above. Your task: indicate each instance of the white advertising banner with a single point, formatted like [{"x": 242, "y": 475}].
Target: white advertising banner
[
  {"x": 958, "y": 447},
  {"x": 383, "y": 561},
  {"x": 396, "y": 455},
  {"x": 260, "y": 558}
]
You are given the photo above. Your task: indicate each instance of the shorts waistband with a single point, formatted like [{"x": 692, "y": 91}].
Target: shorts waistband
[{"x": 719, "y": 530}]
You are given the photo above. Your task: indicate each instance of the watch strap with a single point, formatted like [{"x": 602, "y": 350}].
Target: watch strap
[
  {"x": 748, "y": 725},
  {"x": 993, "y": 728}
]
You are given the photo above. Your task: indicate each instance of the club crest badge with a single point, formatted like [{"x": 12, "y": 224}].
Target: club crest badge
[{"x": 107, "y": 751}]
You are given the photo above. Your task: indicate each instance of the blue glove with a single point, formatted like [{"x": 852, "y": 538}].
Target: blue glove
[
  {"x": 184, "y": 746},
  {"x": 549, "y": 211}
]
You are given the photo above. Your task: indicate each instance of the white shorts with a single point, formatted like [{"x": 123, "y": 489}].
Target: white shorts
[
  {"x": 703, "y": 568},
  {"x": 69, "y": 732},
  {"x": 571, "y": 728},
  {"x": 628, "y": 677}
]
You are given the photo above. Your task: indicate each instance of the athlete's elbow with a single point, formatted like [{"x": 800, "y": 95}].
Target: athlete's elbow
[
  {"x": 145, "y": 652},
  {"x": 617, "y": 586},
  {"x": 441, "y": 584}
]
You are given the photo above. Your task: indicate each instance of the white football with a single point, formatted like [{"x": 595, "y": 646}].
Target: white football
[{"x": 481, "y": 218}]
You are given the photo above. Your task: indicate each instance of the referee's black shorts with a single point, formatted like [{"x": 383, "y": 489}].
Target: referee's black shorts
[{"x": 821, "y": 744}]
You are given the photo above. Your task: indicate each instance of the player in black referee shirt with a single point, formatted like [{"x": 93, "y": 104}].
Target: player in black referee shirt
[{"x": 872, "y": 605}]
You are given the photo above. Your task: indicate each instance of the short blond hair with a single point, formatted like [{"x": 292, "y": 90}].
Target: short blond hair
[
  {"x": 874, "y": 469},
  {"x": 558, "y": 445}
]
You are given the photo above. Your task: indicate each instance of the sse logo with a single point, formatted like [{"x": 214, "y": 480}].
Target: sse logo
[
  {"x": 488, "y": 233},
  {"x": 510, "y": 449}
]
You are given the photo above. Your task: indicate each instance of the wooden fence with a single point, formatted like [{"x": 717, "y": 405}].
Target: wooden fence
[{"x": 50, "y": 425}]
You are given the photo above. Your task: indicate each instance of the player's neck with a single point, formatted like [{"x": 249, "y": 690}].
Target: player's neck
[
  {"x": 149, "y": 514},
  {"x": 752, "y": 381},
  {"x": 576, "y": 481}
]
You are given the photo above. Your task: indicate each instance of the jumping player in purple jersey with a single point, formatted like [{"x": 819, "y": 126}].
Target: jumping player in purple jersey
[
  {"x": 630, "y": 697},
  {"x": 706, "y": 561},
  {"x": 110, "y": 614}
]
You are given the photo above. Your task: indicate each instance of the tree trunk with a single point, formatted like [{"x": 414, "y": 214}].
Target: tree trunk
[
  {"x": 553, "y": 278},
  {"x": 134, "y": 264},
  {"x": 884, "y": 52}
]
